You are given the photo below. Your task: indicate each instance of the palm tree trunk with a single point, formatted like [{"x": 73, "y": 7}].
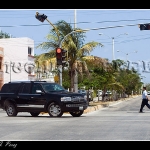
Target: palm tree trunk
[
  {"x": 103, "y": 93},
  {"x": 72, "y": 74}
]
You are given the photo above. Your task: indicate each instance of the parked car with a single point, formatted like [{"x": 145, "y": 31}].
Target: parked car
[
  {"x": 99, "y": 93},
  {"x": 108, "y": 93},
  {"x": 40, "y": 96}
]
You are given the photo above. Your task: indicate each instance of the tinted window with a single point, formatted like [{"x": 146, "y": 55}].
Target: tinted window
[
  {"x": 25, "y": 88},
  {"x": 50, "y": 87},
  {"x": 36, "y": 87},
  {"x": 10, "y": 88}
]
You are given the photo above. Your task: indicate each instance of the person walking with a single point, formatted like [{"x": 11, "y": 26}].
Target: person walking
[{"x": 145, "y": 100}]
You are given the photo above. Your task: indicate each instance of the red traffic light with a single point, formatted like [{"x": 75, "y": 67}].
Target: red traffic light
[
  {"x": 61, "y": 56},
  {"x": 58, "y": 50}
]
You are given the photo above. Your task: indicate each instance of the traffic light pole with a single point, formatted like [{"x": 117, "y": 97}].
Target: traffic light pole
[
  {"x": 60, "y": 66},
  {"x": 42, "y": 17},
  {"x": 55, "y": 29},
  {"x": 60, "y": 46}
]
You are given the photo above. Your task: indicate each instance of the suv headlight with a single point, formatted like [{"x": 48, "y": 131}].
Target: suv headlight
[{"x": 65, "y": 99}]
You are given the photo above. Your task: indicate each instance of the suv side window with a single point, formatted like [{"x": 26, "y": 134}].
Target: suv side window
[
  {"x": 36, "y": 87},
  {"x": 10, "y": 88},
  {"x": 25, "y": 88}
]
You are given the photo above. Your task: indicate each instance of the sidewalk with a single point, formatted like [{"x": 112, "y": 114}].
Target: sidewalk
[{"x": 96, "y": 105}]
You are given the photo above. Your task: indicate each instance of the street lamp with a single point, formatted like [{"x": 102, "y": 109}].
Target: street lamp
[
  {"x": 113, "y": 57},
  {"x": 60, "y": 45},
  {"x": 127, "y": 53}
]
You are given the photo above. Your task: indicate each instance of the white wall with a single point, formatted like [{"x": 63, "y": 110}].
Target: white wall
[{"x": 16, "y": 51}]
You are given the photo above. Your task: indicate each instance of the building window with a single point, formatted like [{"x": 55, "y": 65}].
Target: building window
[{"x": 29, "y": 51}]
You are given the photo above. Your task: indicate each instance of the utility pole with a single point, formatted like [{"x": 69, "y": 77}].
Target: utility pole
[
  {"x": 76, "y": 73},
  {"x": 113, "y": 57},
  {"x": 75, "y": 22},
  {"x": 113, "y": 38}
]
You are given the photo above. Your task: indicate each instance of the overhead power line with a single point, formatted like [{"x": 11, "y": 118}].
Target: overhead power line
[
  {"x": 114, "y": 26},
  {"x": 110, "y": 21},
  {"x": 88, "y": 29},
  {"x": 24, "y": 25}
]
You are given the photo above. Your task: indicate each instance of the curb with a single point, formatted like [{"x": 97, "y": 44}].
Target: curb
[{"x": 95, "y": 108}]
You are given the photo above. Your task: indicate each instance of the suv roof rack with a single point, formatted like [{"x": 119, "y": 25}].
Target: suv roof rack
[
  {"x": 38, "y": 81},
  {"x": 25, "y": 81}
]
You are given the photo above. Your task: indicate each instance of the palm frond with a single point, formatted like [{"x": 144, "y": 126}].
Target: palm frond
[
  {"x": 46, "y": 56},
  {"x": 87, "y": 48},
  {"x": 47, "y": 45}
]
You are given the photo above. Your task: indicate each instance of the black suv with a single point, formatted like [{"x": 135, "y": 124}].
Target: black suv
[{"x": 40, "y": 96}]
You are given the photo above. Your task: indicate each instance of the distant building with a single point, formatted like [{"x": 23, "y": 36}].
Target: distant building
[{"x": 16, "y": 60}]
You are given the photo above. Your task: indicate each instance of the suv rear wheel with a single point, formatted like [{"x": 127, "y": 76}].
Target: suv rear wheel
[
  {"x": 77, "y": 114},
  {"x": 54, "y": 110},
  {"x": 34, "y": 114},
  {"x": 11, "y": 109}
]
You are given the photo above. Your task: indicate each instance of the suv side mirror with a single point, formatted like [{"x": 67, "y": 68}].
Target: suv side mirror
[{"x": 39, "y": 92}]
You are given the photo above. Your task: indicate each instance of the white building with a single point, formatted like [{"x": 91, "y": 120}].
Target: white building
[{"x": 16, "y": 60}]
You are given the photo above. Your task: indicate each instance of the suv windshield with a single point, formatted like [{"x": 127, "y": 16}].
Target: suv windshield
[{"x": 52, "y": 87}]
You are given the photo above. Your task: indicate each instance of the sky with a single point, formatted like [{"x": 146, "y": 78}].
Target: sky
[{"x": 103, "y": 25}]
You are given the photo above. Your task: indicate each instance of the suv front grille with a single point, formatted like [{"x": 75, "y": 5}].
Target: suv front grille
[{"x": 77, "y": 99}]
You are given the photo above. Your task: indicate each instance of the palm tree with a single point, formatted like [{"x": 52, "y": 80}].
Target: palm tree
[{"x": 74, "y": 44}]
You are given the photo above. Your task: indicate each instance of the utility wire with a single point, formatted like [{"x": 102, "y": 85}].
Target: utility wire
[
  {"x": 88, "y": 29},
  {"x": 113, "y": 26},
  {"x": 81, "y": 23}
]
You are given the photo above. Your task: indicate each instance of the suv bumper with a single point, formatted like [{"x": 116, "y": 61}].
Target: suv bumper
[{"x": 74, "y": 107}]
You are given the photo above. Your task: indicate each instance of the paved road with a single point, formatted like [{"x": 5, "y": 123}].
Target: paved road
[{"x": 120, "y": 121}]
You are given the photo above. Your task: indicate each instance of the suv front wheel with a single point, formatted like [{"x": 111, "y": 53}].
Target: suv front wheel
[
  {"x": 11, "y": 109},
  {"x": 54, "y": 110},
  {"x": 77, "y": 114}
]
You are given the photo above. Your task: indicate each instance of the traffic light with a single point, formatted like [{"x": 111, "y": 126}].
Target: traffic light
[
  {"x": 61, "y": 56},
  {"x": 40, "y": 17},
  {"x": 144, "y": 26},
  {"x": 64, "y": 56}
]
